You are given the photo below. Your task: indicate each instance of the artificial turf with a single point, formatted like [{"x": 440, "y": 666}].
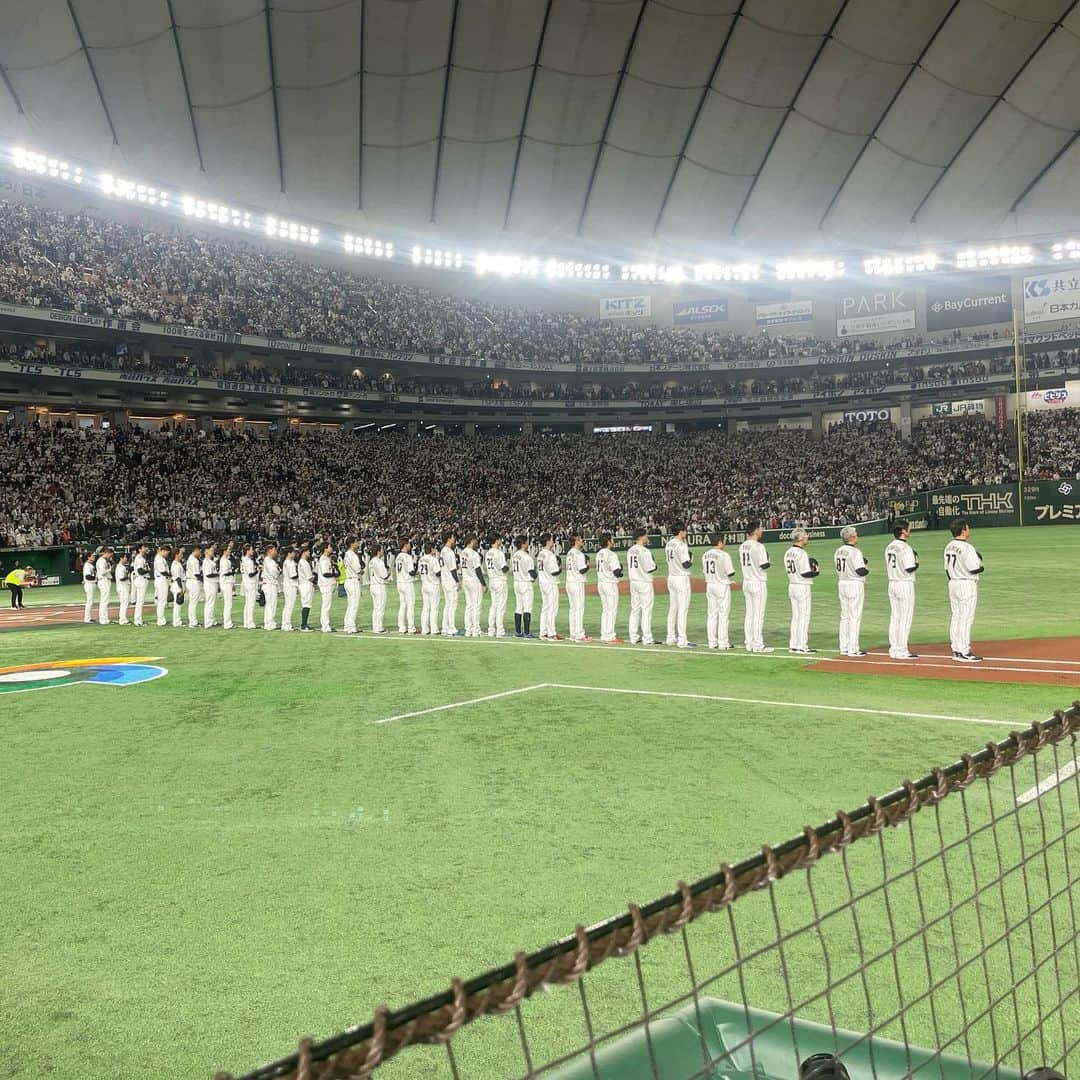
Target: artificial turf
[{"x": 200, "y": 869}]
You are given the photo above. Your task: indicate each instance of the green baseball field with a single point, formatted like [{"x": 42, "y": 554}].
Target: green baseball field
[{"x": 284, "y": 831}]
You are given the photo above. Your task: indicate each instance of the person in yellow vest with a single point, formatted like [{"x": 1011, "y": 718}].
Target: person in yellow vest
[{"x": 14, "y": 582}]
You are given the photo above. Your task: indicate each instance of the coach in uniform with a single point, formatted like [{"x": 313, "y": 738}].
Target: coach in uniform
[
  {"x": 801, "y": 571},
  {"x": 640, "y": 567},
  {"x": 577, "y": 567},
  {"x": 901, "y": 565},
  {"x": 851, "y": 570},
  {"x": 963, "y": 565}
]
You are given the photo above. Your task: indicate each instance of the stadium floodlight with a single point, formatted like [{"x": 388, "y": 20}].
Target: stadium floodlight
[
  {"x": 292, "y": 231},
  {"x": 507, "y": 265},
  {"x": 556, "y": 269},
  {"x": 438, "y": 257},
  {"x": 219, "y": 213},
  {"x": 368, "y": 246},
  {"x": 118, "y": 188},
  {"x": 898, "y": 265},
  {"x": 714, "y": 271},
  {"x": 809, "y": 269},
  {"x": 668, "y": 273},
  {"x": 998, "y": 255},
  {"x": 1065, "y": 249},
  {"x": 43, "y": 165}
]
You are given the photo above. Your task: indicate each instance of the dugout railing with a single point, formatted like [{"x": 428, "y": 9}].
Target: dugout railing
[{"x": 931, "y": 932}]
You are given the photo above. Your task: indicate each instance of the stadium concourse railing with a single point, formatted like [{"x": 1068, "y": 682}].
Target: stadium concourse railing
[{"x": 941, "y": 940}]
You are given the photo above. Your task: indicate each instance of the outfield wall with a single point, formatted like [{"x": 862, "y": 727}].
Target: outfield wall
[{"x": 1034, "y": 502}]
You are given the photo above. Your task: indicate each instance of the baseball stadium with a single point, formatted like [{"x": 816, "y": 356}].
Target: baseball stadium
[{"x": 539, "y": 540}]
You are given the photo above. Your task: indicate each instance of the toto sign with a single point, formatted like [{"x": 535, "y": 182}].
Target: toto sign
[{"x": 862, "y": 416}]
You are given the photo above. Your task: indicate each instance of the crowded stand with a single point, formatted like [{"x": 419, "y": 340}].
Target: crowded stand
[{"x": 59, "y": 482}]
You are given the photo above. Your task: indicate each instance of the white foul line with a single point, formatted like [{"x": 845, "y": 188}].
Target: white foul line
[
  {"x": 1048, "y": 783},
  {"x": 698, "y": 697}
]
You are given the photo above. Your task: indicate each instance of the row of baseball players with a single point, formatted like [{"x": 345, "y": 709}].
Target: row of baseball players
[{"x": 204, "y": 575}]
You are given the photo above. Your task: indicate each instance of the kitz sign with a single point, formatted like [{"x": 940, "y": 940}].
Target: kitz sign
[
  {"x": 626, "y": 307},
  {"x": 700, "y": 311},
  {"x": 881, "y": 311}
]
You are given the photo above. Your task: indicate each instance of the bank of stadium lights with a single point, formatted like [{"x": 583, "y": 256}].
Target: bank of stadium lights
[
  {"x": 1065, "y": 249},
  {"x": 900, "y": 265},
  {"x": 558, "y": 269},
  {"x": 43, "y": 165},
  {"x": 517, "y": 266},
  {"x": 444, "y": 260},
  {"x": 117, "y": 187},
  {"x": 713, "y": 271},
  {"x": 368, "y": 247},
  {"x": 809, "y": 269},
  {"x": 219, "y": 213},
  {"x": 291, "y": 230},
  {"x": 999, "y": 255},
  {"x": 650, "y": 273}
]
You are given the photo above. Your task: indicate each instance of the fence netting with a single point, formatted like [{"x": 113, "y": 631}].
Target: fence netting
[{"x": 931, "y": 932}]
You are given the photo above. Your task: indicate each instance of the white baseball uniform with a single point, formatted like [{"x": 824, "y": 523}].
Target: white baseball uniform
[
  {"x": 193, "y": 588},
  {"x": 797, "y": 568},
  {"x": 717, "y": 567},
  {"x": 380, "y": 577},
  {"x": 210, "y": 590},
  {"x": 305, "y": 583},
  {"x": 271, "y": 582},
  {"x": 161, "y": 587},
  {"x": 754, "y": 560},
  {"x": 227, "y": 581},
  {"x": 430, "y": 593},
  {"x": 140, "y": 582},
  {"x": 290, "y": 589},
  {"x": 249, "y": 586},
  {"x": 473, "y": 590},
  {"x": 103, "y": 573},
  {"x": 89, "y": 582},
  {"x": 176, "y": 570},
  {"x": 354, "y": 568},
  {"x": 849, "y": 561},
  {"x": 326, "y": 575},
  {"x": 640, "y": 567},
  {"x": 548, "y": 568},
  {"x": 963, "y": 565},
  {"x": 496, "y": 567},
  {"x": 901, "y": 563},
  {"x": 607, "y": 584},
  {"x": 448, "y": 562},
  {"x": 123, "y": 592},
  {"x": 523, "y": 567},
  {"x": 678, "y": 583},
  {"x": 405, "y": 583},
  {"x": 577, "y": 567}
]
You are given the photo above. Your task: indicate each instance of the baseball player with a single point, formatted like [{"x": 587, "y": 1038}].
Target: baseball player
[
  {"x": 103, "y": 572},
  {"x": 549, "y": 567},
  {"x": 326, "y": 575},
  {"x": 305, "y": 584},
  {"x": 679, "y": 562},
  {"x": 249, "y": 584},
  {"x": 379, "y": 575},
  {"x": 354, "y": 568},
  {"x": 963, "y": 565},
  {"x": 801, "y": 570},
  {"x": 450, "y": 579},
  {"x": 140, "y": 581},
  {"x": 430, "y": 590},
  {"x": 210, "y": 585},
  {"x": 524, "y": 570},
  {"x": 177, "y": 571},
  {"x": 161, "y": 583},
  {"x": 89, "y": 583},
  {"x": 851, "y": 570},
  {"x": 497, "y": 570},
  {"x": 640, "y": 567},
  {"x": 405, "y": 581},
  {"x": 901, "y": 565},
  {"x": 123, "y": 588},
  {"x": 577, "y": 567},
  {"x": 717, "y": 567},
  {"x": 227, "y": 581},
  {"x": 271, "y": 582},
  {"x": 608, "y": 572},
  {"x": 193, "y": 584},
  {"x": 472, "y": 584},
  {"x": 290, "y": 588},
  {"x": 754, "y": 560}
]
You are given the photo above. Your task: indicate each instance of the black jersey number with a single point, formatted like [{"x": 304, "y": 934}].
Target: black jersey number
[{"x": 841, "y": 564}]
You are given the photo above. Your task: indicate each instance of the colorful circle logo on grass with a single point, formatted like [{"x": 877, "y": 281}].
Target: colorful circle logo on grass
[{"x": 103, "y": 671}]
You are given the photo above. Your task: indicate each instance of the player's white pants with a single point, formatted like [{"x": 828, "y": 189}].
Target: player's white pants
[
  {"x": 449, "y": 615},
  {"x": 575, "y": 596},
  {"x": 549, "y": 608},
  {"x": 193, "y": 588},
  {"x": 430, "y": 595},
  {"x": 289, "y": 591},
  {"x": 901, "y": 611},
  {"x": 963, "y": 596},
  {"x": 90, "y": 588},
  {"x": 307, "y": 596},
  {"x": 406, "y": 606},
  {"x": 642, "y": 598},
  {"x": 228, "y": 586},
  {"x": 678, "y": 609},
  {"x": 270, "y": 592},
  {"x": 718, "y": 598},
  {"x": 161, "y": 598},
  {"x": 474, "y": 593},
  {"x": 756, "y": 595},
  {"x": 378, "y": 604},
  {"x": 799, "y": 595},
  {"x": 251, "y": 593},
  {"x": 123, "y": 594},
  {"x": 497, "y": 607},
  {"x": 210, "y": 595},
  {"x": 177, "y": 589},
  {"x": 326, "y": 600},
  {"x": 352, "y": 603},
  {"x": 609, "y": 607},
  {"x": 851, "y": 605},
  {"x": 139, "y": 591},
  {"x": 104, "y": 594},
  {"x": 523, "y": 597}
]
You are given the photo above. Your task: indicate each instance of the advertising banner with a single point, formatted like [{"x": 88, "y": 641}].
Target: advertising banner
[
  {"x": 990, "y": 504},
  {"x": 1000, "y": 412},
  {"x": 971, "y": 304},
  {"x": 882, "y": 311},
  {"x": 626, "y": 307},
  {"x": 791, "y": 311},
  {"x": 713, "y": 309},
  {"x": 1048, "y": 297},
  {"x": 1051, "y": 502},
  {"x": 958, "y": 408},
  {"x": 863, "y": 416},
  {"x": 1052, "y": 399}
]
